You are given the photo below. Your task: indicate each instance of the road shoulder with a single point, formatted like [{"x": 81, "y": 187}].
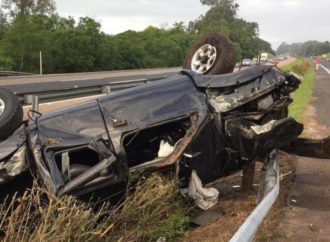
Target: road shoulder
[{"x": 307, "y": 216}]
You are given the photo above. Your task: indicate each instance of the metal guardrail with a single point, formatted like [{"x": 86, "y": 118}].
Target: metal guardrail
[
  {"x": 268, "y": 193},
  {"x": 13, "y": 73},
  {"x": 78, "y": 91}
]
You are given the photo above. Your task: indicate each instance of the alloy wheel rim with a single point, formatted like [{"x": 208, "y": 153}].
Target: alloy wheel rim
[
  {"x": 204, "y": 59},
  {"x": 2, "y": 106}
]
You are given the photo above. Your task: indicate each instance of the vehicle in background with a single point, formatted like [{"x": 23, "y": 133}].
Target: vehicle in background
[
  {"x": 246, "y": 62},
  {"x": 282, "y": 58},
  {"x": 264, "y": 57}
]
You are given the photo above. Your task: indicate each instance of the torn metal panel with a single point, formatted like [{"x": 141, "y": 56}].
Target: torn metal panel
[
  {"x": 228, "y": 80},
  {"x": 224, "y": 100},
  {"x": 16, "y": 165},
  {"x": 179, "y": 149},
  {"x": 12, "y": 143}
]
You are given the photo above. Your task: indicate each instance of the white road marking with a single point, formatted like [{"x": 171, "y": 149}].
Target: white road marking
[{"x": 326, "y": 69}]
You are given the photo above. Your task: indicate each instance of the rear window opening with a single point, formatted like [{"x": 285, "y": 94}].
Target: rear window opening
[
  {"x": 74, "y": 162},
  {"x": 143, "y": 146},
  {"x": 82, "y": 155}
]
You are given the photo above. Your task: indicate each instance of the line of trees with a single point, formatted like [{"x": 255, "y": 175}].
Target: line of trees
[
  {"x": 30, "y": 26},
  {"x": 309, "y": 48}
]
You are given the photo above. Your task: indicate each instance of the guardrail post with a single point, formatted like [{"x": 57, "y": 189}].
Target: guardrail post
[
  {"x": 268, "y": 178},
  {"x": 268, "y": 192},
  {"x": 28, "y": 99},
  {"x": 35, "y": 105},
  {"x": 106, "y": 89},
  {"x": 248, "y": 177}
]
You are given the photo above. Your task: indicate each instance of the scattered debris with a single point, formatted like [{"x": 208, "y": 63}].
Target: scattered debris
[
  {"x": 165, "y": 149},
  {"x": 205, "y": 198},
  {"x": 313, "y": 228},
  {"x": 161, "y": 239},
  {"x": 282, "y": 176},
  {"x": 207, "y": 217}
]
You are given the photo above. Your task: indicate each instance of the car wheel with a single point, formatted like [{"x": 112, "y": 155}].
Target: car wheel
[
  {"x": 11, "y": 113},
  {"x": 212, "y": 54}
]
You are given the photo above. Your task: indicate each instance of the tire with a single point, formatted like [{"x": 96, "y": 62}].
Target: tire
[
  {"x": 11, "y": 113},
  {"x": 225, "y": 54}
]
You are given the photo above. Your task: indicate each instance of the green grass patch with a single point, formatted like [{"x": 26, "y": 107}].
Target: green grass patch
[{"x": 303, "y": 95}]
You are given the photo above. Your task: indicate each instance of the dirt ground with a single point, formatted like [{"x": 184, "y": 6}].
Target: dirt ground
[{"x": 236, "y": 206}]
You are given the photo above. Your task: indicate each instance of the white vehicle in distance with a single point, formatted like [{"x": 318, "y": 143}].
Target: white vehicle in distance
[
  {"x": 246, "y": 62},
  {"x": 264, "y": 57}
]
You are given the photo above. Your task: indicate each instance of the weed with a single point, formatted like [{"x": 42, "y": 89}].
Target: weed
[
  {"x": 151, "y": 211},
  {"x": 303, "y": 95}
]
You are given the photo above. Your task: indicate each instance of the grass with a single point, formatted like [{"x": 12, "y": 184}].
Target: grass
[
  {"x": 303, "y": 95},
  {"x": 153, "y": 210}
]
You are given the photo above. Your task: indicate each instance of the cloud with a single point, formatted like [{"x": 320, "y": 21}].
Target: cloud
[
  {"x": 279, "y": 20},
  {"x": 288, "y": 20},
  {"x": 118, "y": 16}
]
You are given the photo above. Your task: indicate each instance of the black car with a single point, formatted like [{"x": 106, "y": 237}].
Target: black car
[{"x": 214, "y": 125}]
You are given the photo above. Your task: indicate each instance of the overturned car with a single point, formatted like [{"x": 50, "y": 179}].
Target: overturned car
[{"x": 211, "y": 124}]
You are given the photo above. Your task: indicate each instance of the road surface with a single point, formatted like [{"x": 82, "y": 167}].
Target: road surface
[
  {"x": 36, "y": 83},
  {"x": 85, "y": 76},
  {"x": 308, "y": 214},
  {"x": 326, "y": 66}
]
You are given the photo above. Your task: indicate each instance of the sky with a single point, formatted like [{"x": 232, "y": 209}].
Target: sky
[{"x": 279, "y": 20}]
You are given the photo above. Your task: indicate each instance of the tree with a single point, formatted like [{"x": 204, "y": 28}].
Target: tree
[
  {"x": 221, "y": 17},
  {"x": 29, "y": 7},
  {"x": 263, "y": 46},
  {"x": 229, "y": 7},
  {"x": 30, "y": 26},
  {"x": 23, "y": 40},
  {"x": 309, "y": 48},
  {"x": 3, "y": 23}
]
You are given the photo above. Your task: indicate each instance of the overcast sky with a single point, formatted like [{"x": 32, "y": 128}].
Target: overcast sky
[{"x": 279, "y": 20}]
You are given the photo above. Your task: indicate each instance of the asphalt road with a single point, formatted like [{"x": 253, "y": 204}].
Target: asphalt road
[
  {"x": 308, "y": 215},
  {"x": 37, "y": 83},
  {"x": 326, "y": 64}
]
